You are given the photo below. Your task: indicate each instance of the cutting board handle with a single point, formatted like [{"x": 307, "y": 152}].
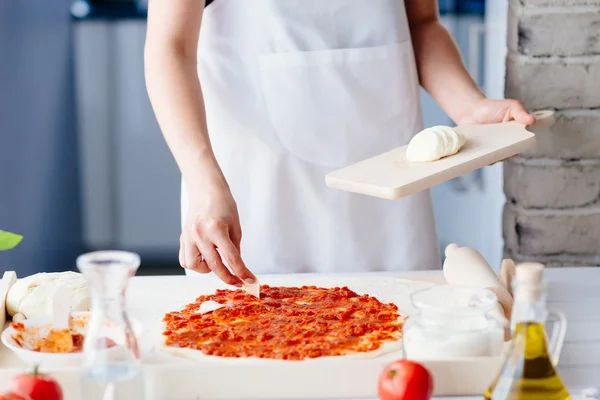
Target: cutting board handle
[{"x": 544, "y": 119}]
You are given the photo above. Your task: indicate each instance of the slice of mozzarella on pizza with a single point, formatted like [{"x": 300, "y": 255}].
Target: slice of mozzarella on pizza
[
  {"x": 209, "y": 306},
  {"x": 252, "y": 288}
]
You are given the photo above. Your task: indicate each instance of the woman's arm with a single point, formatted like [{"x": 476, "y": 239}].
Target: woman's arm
[
  {"x": 174, "y": 89},
  {"x": 212, "y": 221},
  {"x": 444, "y": 76}
]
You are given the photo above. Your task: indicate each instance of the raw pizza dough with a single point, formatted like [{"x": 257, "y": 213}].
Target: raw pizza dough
[
  {"x": 32, "y": 296},
  {"x": 434, "y": 143}
]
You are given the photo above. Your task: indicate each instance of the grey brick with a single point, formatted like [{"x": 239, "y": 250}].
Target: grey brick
[
  {"x": 571, "y": 31},
  {"x": 553, "y": 193},
  {"x": 556, "y": 261},
  {"x": 551, "y": 184},
  {"x": 552, "y": 232},
  {"x": 554, "y": 82},
  {"x": 574, "y": 135}
]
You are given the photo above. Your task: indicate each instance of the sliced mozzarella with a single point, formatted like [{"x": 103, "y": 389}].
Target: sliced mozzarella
[
  {"x": 446, "y": 137},
  {"x": 461, "y": 137},
  {"x": 424, "y": 147},
  {"x": 33, "y": 295},
  {"x": 455, "y": 140},
  {"x": 209, "y": 306},
  {"x": 434, "y": 143},
  {"x": 252, "y": 288},
  {"x": 447, "y": 140},
  {"x": 61, "y": 308},
  {"x": 459, "y": 141}
]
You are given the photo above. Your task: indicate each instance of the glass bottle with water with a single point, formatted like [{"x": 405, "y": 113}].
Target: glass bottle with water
[{"x": 111, "y": 357}]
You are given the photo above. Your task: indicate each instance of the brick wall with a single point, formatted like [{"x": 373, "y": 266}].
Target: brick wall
[{"x": 552, "y": 212}]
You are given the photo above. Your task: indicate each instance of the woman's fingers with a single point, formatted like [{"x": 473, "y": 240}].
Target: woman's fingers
[
  {"x": 203, "y": 267},
  {"x": 521, "y": 115},
  {"x": 192, "y": 255},
  {"x": 235, "y": 233},
  {"x": 200, "y": 267},
  {"x": 213, "y": 246},
  {"x": 220, "y": 236},
  {"x": 190, "y": 258},
  {"x": 232, "y": 257},
  {"x": 213, "y": 259}
]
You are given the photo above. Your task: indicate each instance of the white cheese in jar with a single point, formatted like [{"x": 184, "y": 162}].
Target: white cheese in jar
[
  {"x": 440, "y": 345},
  {"x": 452, "y": 322}
]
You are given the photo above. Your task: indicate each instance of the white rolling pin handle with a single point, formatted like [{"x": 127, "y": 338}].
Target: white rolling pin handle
[{"x": 498, "y": 314}]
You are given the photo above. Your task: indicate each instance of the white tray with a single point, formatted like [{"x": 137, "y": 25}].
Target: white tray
[{"x": 170, "y": 377}]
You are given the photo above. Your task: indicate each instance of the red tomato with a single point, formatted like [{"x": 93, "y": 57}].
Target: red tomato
[
  {"x": 35, "y": 386},
  {"x": 405, "y": 380}
]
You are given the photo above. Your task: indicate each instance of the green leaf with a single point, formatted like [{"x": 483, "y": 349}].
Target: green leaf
[{"x": 9, "y": 240}]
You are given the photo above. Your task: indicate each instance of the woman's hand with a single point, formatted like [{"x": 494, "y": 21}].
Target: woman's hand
[
  {"x": 211, "y": 237},
  {"x": 485, "y": 111}
]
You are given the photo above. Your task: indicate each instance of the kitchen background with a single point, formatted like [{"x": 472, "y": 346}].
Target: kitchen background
[{"x": 83, "y": 164}]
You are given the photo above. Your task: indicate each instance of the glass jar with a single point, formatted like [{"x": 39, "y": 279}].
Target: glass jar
[
  {"x": 452, "y": 322},
  {"x": 111, "y": 357}
]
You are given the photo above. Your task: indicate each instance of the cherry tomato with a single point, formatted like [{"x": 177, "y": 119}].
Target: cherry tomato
[
  {"x": 35, "y": 386},
  {"x": 405, "y": 380}
]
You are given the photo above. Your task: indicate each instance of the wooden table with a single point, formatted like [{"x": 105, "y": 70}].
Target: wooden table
[{"x": 576, "y": 292}]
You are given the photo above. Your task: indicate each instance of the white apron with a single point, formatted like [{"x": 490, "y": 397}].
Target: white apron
[{"x": 293, "y": 90}]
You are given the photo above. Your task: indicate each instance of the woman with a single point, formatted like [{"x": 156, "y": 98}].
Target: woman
[{"x": 259, "y": 99}]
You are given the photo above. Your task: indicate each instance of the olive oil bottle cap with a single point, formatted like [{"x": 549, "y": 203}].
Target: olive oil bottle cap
[
  {"x": 529, "y": 273},
  {"x": 529, "y": 282}
]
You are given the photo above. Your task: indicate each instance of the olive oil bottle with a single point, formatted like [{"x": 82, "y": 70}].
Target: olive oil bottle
[{"x": 529, "y": 371}]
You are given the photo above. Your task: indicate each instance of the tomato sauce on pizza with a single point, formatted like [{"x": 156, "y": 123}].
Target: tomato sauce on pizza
[{"x": 288, "y": 323}]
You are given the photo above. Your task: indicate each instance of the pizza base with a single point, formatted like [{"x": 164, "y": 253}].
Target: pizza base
[
  {"x": 386, "y": 348},
  {"x": 391, "y": 290}
]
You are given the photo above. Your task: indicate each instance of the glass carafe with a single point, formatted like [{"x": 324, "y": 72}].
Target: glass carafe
[
  {"x": 111, "y": 357},
  {"x": 452, "y": 322},
  {"x": 529, "y": 371}
]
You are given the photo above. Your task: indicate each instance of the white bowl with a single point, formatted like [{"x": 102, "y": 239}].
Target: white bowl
[{"x": 37, "y": 328}]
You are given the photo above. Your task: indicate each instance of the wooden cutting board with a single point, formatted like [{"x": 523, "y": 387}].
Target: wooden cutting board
[{"x": 391, "y": 176}]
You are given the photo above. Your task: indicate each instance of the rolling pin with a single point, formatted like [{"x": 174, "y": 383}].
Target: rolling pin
[
  {"x": 507, "y": 274},
  {"x": 464, "y": 266}
]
